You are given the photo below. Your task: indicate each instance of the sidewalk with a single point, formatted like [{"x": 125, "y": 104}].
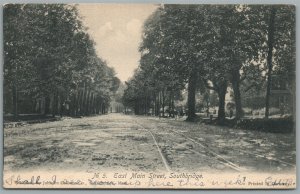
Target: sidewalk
[{"x": 24, "y": 119}]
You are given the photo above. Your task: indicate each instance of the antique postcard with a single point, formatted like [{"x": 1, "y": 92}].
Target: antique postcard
[{"x": 153, "y": 96}]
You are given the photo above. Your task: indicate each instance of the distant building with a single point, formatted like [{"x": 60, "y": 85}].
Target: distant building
[{"x": 281, "y": 94}]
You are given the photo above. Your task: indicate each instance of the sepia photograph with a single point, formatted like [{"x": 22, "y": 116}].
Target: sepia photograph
[{"x": 149, "y": 96}]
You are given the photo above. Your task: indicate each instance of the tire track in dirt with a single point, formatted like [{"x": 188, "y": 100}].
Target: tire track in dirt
[
  {"x": 209, "y": 153},
  {"x": 222, "y": 159},
  {"x": 164, "y": 160},
  {"x": 280, "y": 162}
]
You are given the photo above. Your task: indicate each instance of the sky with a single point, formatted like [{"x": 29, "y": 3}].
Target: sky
[{"x": 117, "y": 31}]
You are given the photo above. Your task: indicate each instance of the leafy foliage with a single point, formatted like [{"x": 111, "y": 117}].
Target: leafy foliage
[
  {"x": 213, "y": 45},
  {"x": 49, "y": 56}
]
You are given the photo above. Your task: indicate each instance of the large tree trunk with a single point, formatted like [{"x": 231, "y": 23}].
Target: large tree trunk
[
  {"x": 100, "y": 108},
  {"x": 92, "y": 106},
  {"x": 87, "y": 102},
  {"x": 40, "y": 106},
  {"x": 173, "y": 105},
  {"x": 47, "y": 105},
  {"x": 269, "y": 59},
  {"x": 84, "y": 101},
  {"x": 138, "y": 109},
  {"x": 145, "y": 106},
  {"x": 74, "y": 104},
  {"x": 170, "y": 104},
  {"x": 237, "y": 94},
  {"x": 79, "y": 109},
  {"x": 33, "y": 105},
  {"x": 61, "y": 107},
  {"x": 54, "y": 104},
  {"x": 192, "y": 96},
  {"x": 15, "y": 101},
  {"x": 77, "y": 102},
  {"x": 163, "y": 102},
  {"x": 221, "y": 93},
  {"x": 103, "y": 108},
  {"x": 157, "y": 104},
  {"x": 96, "y": 105}
]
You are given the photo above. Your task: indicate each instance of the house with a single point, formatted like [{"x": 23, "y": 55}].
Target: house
[{"x": 282, "y": 96}]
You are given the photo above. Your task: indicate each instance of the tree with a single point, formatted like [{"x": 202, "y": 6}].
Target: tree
[
  {"x": 281, "y": 47},
  {"x": 175, "y": 47},
  {"x": 50, "y": 57},
  {"x": 270, "y": 57},
  {"x": 239, "y": 39},
  {"x": 157, "y": 60},
  {"x": 219, "y": 45}
]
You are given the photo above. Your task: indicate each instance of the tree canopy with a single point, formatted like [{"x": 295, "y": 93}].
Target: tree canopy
[
  {"x": 186, "y": 47},
  {"x": 51, "y": 59}
]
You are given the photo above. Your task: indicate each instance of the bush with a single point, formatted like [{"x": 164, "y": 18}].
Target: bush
[{"x": 276, "y": 125}]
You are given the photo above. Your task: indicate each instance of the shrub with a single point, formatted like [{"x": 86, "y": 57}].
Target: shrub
[{"x": 275, "y": 125}]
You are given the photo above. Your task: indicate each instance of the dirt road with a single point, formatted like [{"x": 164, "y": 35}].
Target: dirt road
[{"x": 123, "y": 142}]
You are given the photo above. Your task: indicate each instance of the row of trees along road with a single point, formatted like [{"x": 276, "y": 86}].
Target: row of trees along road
[
  {"x": 209, "y": 47},
  {"x": 50, "y": 63}
]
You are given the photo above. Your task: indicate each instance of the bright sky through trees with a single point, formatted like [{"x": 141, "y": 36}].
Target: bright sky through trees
[{"x": 117, "y": 30}]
